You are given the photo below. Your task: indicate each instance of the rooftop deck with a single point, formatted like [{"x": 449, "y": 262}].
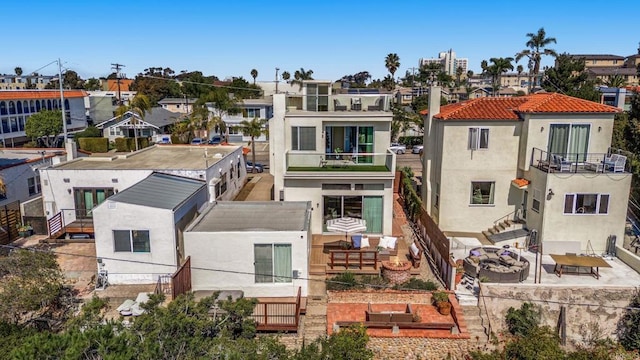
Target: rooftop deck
[{"x": 595, "y": 163}]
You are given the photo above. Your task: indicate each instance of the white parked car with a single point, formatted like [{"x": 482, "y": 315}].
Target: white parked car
[
  {"x": 417, "y": 149},
  {"x": 398, "y": 148}
]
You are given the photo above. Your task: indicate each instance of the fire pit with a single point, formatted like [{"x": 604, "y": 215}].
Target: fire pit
[{"x": 396, "y": 271}]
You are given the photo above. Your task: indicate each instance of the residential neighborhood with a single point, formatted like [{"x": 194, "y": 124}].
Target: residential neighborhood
[{"x": 449, "y": 203}]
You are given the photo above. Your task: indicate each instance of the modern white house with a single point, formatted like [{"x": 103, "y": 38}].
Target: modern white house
[
  {"x": 16, "y": 106},
  {"x": 71, "y": 190},
  {"x": 139, "y": 230},
  {"x": 542, "y": 160},
  {"x": 260, "y": 248},
  {"x": 155, "y": 122},
  {"x": 332, "y": 150}
]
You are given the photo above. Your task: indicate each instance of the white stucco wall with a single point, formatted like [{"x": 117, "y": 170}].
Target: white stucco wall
[
  {"x": 311, "y": 190},
  {"x": 111, "y": 216},
  {"x": 233, "y": 253},
  {"x": 459, "y": 167},
  {"x": 56, "y": 194},
  {"x": 16, "y": 181}
]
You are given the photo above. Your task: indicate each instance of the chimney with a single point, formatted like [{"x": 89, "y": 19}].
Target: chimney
[
  {"x": 429, "y": 141},
  {"x": 71, "y": 148}
]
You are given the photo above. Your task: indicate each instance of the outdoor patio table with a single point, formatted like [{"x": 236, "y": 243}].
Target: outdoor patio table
[{"x": 592, "y": 262}]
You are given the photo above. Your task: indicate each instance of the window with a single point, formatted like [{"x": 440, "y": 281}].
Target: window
[
  {"x": 535, "y": 204},
  {"x": 437, "y": 197},
  {"x": 251, "y": 113},
  {"x": 303, "y": 138},
  {"x": 482, "y": 192},
  {"x": 223, "y": 184},
  {"x": 586, "y": 204},
  {"x": 571, "y": 141},
  {"x": 336, "y": 186},
  {"x": 478, "y": 138},
  {"x": 34, "y": 185},
  {"x": 85, "y": 199},
  {"x": 272, "y": 263},
  {"x": 368, "y": 208},
  {"x": 131, "y": 241}
]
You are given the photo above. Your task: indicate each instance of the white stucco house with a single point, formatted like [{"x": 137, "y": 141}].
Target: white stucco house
[
  {"x": 155, "y": 122},
  {"x": 248, "y": 109},
  {"x": 543, "y": 161},
  {"x": 71, "y": 190},
  {"x": 260, "y": 248},
  {"x": 332, "y": 150},
  {"x": 139, "y": 230}
]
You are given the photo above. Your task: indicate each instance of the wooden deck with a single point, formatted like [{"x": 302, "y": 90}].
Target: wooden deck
[{"x": 319, "y": 259}]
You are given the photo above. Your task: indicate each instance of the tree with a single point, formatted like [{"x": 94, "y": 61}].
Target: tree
[
  {"x": 519, "y": 69},
  {"x": 496, "y": 69},
  {"x": 403, "y": 120},
  {"x": 254, "y": 75},
  {"x": 242, "y": 89},
  {"x": 92, "y": 84},
  {"x": 568, "y": 77},
  {"x": 616, "y": 81},
  {"x": 221, "y": 105},
  {"x": 358, "y": 80},
  {"x": 536, "y": 44},
  {"x": 70, "y": 80},
  {"x": 253, "y": 128},
  {"x": 629, "y": 324},
  {"x": 392, "y": 63},
  {"x": 428, "y": 72},
  {"x": 286, "y": 76},
  {"x": 44, "y": 126},
  {"x": 18, "y": 71},
  {"x": 522, "y": 322},
  {"x": 138, "y": 107},
  {"x": 193, "y": 84},
  {"x": 156, "y": 84},
  {"x": 32, "y": 291},
  {"x": 300, "y": 75}
]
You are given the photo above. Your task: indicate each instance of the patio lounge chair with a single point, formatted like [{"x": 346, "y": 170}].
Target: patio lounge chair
[
  {"x": 338, "y": 107},
  {"x": 379, "y": 106},
  {"x": 615, "y": 163},
  {"x": 560, "y": 163}
]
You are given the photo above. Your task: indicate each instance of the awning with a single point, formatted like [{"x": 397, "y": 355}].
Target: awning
[{"x": 520, "y": 183}]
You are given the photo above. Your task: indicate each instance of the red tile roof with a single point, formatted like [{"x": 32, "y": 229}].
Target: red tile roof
[
  {"x": 39, "y": 94},
  {"x": 492, "y": 108}
]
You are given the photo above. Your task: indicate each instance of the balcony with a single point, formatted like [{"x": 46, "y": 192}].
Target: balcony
[
  {"x": 340, "y": 162},
  {"x": 339, "y": 103},
  {"x": 614, "y": 161}
]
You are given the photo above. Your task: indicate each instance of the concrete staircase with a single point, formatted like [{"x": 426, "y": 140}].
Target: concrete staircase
[
  {"x": 479, "y": 338},
  {"x": 314, "y": 321},
  {"x": 507, "y": 232}
]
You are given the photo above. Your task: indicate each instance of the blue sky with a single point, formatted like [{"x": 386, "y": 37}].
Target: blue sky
[{"x": 333, "y": 38}]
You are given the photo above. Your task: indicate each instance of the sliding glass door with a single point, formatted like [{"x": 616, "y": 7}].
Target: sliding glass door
[
  {"x": 351, "y": 140},
  {"x": 571, "y": 141},
  {"x": 368, "y": 208},
  {"x": 86, "y": 199}
]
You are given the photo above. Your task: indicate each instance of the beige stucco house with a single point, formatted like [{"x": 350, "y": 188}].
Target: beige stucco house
[
  {"x": 543, "y": 160},
  {"x": 333, "y": 150}
]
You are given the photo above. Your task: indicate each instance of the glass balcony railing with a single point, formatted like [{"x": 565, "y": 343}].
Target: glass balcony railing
[
  {"x": 342, "y": 102},
  {"x": 341, "y": 162}
]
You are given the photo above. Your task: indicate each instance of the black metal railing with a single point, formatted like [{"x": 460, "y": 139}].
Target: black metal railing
[{"x": 609, "y": 162}]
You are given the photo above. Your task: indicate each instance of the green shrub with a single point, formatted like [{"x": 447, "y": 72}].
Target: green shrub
[
  {"x": 417, "y": 284},
  {"x": 374, "y": 282},
  {"x": 129, "y": 144},
  {"x": 343, "y": 281},
  {"x": 410, "y": 140},
  {"x": 523, "y": 321},
  {"x": 89, "y": 132},
  {"x": 175, "y": 139},
  {"x": 94, "y": 144},
  {"x": 121, "y": 145},
  {"x": 439, "y": 296},
  {"x": 629, "y": 324}
]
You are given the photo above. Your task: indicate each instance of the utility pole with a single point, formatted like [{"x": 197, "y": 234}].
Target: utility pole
[
  {"x": 64, "y": 110},
  {"x": 277, "y": 69},
  {"x": 117, "y": 67}
]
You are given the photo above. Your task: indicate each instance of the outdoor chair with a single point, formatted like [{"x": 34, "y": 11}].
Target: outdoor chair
[
  {"x": 379, "y": 106},
  {"x": 615, "y": 163},
  {"x": 338, "y": 107},
  {"x": 560, "y": 163}
]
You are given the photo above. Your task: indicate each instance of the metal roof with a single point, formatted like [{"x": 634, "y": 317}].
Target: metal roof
[
  {"x": 254, "y": 216},
  {"x": 161, "y": 191}
]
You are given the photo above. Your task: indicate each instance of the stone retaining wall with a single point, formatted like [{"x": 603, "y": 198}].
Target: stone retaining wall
[
  {"x": 418, "y": 348},
  {"x": 377, "y": 296}
]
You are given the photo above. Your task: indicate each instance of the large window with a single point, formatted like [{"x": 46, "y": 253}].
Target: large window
[
  {"x": 571, "y": 141},
  {"x": 535, "y": 204},
  {"x": 482, "y": 192},
  {"x": 251, "y": 113},
  {"x": 34, "y": 185},
  {"x": 272, "y": 263},
  {"x": 478, "y": 138},
  {"x": 586, "y": 203},
  {"x": 317, "y": 97},
  {"x": 131, "y": 241},
  {"x": 368, "y": 208},
  {"x": 303, "y": 138}
]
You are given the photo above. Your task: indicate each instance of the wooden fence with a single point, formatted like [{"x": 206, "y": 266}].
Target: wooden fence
[
  {"x": 9, "y": 219},
  {"x": 278, "y": 316},
  {"x": 181, "y": 279}
]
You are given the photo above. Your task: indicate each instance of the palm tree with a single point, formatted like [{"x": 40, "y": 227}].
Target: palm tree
[
  {"x": 536, "y": 48},
  {"x": 519, "y": 69},
  {"x": 496, "y": 69},
  {"x": 253, "y": 128},
  {"x": 139, "y": 106},
  {"x": 615, "y": 80},
  {"x": 300, "y": 75},
  {"x": 392, "y": 63},
  {"x": 18, "y": 70},
  {"x": 3, "y": 187},
  {"x": 459, "y": 72},
  {"x": 254, "y": 75},
  {"x": 286, "y": 76}
]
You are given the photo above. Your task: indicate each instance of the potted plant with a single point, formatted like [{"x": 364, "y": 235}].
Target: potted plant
[
  {"x": 441, "y": 301},
  {"x": 459, "y": 271},
  {"x": 338, "y": 152},
  {"x": 24, "y": 229}
]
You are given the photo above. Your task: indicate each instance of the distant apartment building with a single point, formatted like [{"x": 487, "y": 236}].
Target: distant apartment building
[
  {"x": 18, "y": 105},
  {"x": 450, "y": 63},
  {"x": 101, "y": 105},
  {"x": 177, "y": 105},
  {"x": 15, "y": 82},
  {"x": 603, "y": 67}
]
